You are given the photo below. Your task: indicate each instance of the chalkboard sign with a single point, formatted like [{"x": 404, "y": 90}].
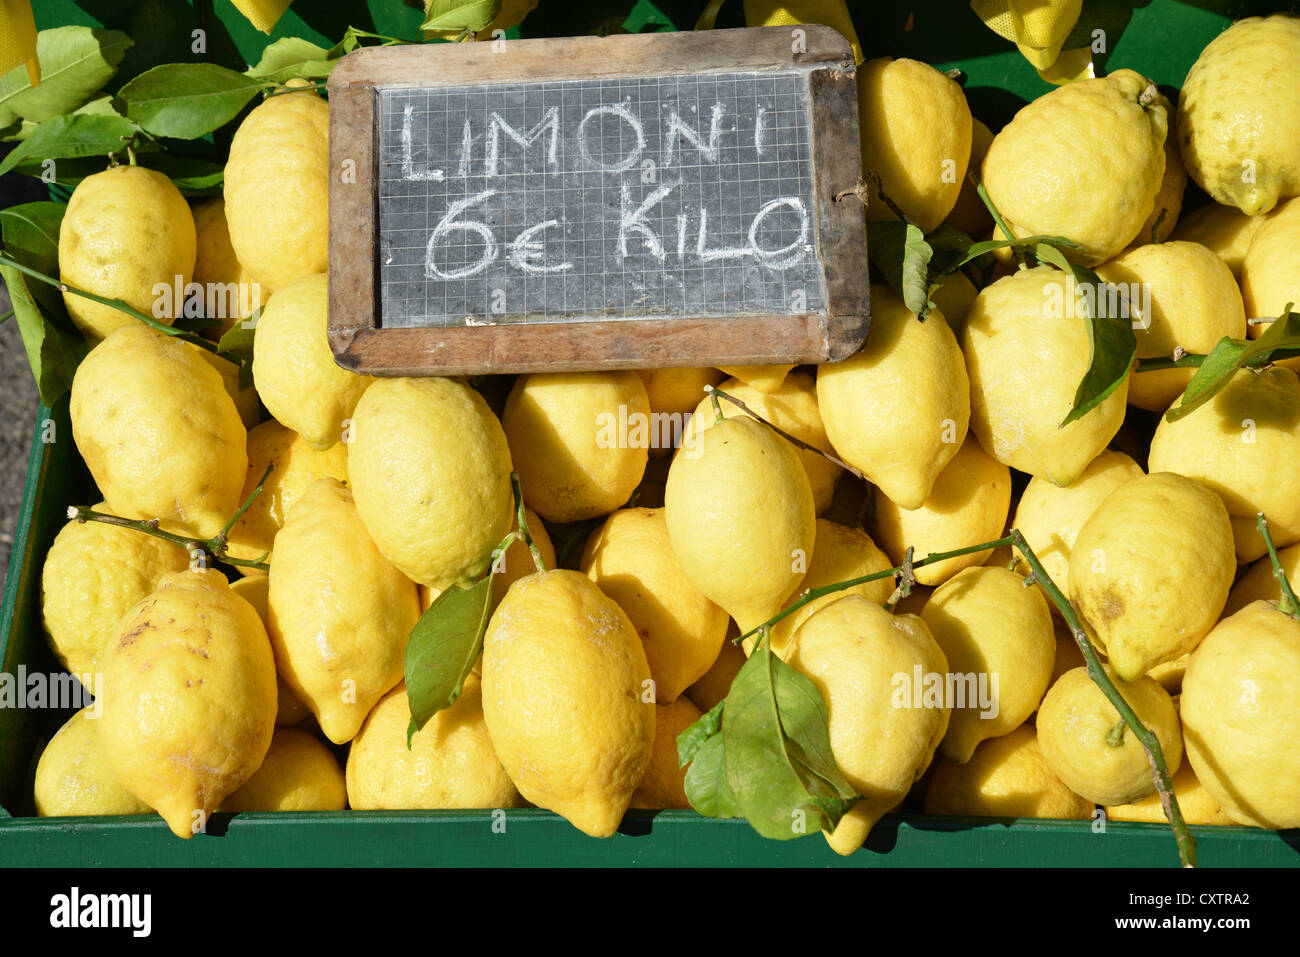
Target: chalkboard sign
[{"x": 586, "y": 203}]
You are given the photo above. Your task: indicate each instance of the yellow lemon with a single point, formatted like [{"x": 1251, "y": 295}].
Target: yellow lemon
[
  {"x": 450, "y": 762},
  {"x": 1268, "y": 271},
  {"x": 664, "y": 784},
  {"x": 566, "y": 698},
  {"x": 430, "y": 469},
  {"x": 1195, "y": 803},
  {"x": 916, "y": 135},
  {"x": 189, "y": 698},
  {"x": 967, "y": 505},
  {"x": 517, "y": 561},
  {"x": 289, "y": 711},
  {"x": 276, "y": 185},
  {"x": 298, "y": 774},
  {"x": 1019, "y": 326},
  {"x": 762, "y": 378},
  {"x": 998, "y": 639},
  {"x": 1239, "y": 114},
  {"x": 1169, "y": 197},
  {"x": 858, "y": 655},
  {"x": 1240, "y": 719},
  {"x": 1084, "y": 161},
  {"x": 1224, "y": 229},
  {"x": 677, "y": 391},
  {"x": 1087, "y": 745},
  {"x": 741, "y": 518},
  {"x": 72, "y": 777},
  {"x": 126, "y": 230},
  {"x": 579, "y": 441},
  {"x": 1241, "y": 444},
  {"x": 970, "y": 215},
  {"x": 1150, "y": 590},
  {"x": 1258, "y": 582},
  {"x": 158, "y": 431},
  {"x": 339, "y": 611},
  {"x": 716, "y": 682},
  {"x": 230, "y": 293},
  {"x": 631, "y": 560},
  {"x": 898, "y": 409},
  {"x": 1005, "y": 777}
]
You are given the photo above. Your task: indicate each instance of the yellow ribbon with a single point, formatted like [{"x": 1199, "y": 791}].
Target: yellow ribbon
[
  {"x": 18, "y": 38},
  {"x": 780, "y": 13},
  {"x": 1037, "y": 27}
]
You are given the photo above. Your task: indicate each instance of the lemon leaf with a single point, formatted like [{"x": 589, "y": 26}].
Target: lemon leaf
[
  {"x": 187, "y": 100},
  {"x": 692, "y": 739},
  {"x": 902, "y": 255},
  {"x": 1230, "y": 355},
  {"x": 75, "y": 63},
  {"x": 291, "y": 57},
  {"x": 65, "y": 137},
  {"x": 456, "y": 16},
  {"x": 779, "y": 765},
  {"x": 706, "y": 781},
  {"x": 443, "y": 647}
]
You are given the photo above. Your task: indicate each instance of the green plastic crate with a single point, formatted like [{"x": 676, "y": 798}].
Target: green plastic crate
[{"x": 1160, "y": 39}]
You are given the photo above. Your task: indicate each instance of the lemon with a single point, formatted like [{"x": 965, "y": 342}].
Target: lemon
[
  {"x": 298, "y": 774},
  {"x": 294, "y": 466},
  {"x": 276, "y": 185},
  {"x": 246, "y": 401},
  {"x": 566, "y": 698},
  {"x": 1240, "y": 719},
  {"x": 1068, "y": 656},
  {"x": 716, "y": 682},
  {"x": 1224, "y": 229},
  {"x": 792, "y": 408},
  {"x": 897, "y": 410},
  {"x": 293, "y": 368},
  {"x": 450, "y": 763},
  {"x": 72, "y": 777},
  {"x": 967, "y": 505},
  {"x": 1005, "y": 777},
  {"x": 430, "y": 470},
  {"x": 664, "y": 784},
  {"x": 1258, "y": 583},
  {"x": 916, "y": 134},
  {"x": 158, "y": 431},
  {"x": 857, "y": 655},
  {"x": 677, "y": 391},
  {"x": 1169, "y": 674},
  {"x": 1148, "y": 590},
  {"x": 1169, "y": 197},
  {"x": 227, "y": 285},
  {"x": 1084, "y": 161},
  {"x": 1240, "y": 444},
  {"x": 969, "y": 214},
  {"x": 631, "y": 560},
  {"x": 125, "y": 231},
  {"x": 1239, "y": 114},
  {"x": 741, "y": 518},
  {"x": 762, "y": 378},
  {"x": 189, "y": 699},
  {"x": 1027, "y": 348},
  {"x": 579, "y": 441},
  {"x": 995, "y": 633},
  {"x": 289, "y": 711},
  {"x": 954, "y": 297},
  {"x": 1078, "y": 729},
  {"x": 1195, "y": 802},
  {"x": 339, "y": 611},
  {"x": 1050, "y": 516},
  {"x": 517, "y": 562},
  {"x": 839, "y": 554},
  {"x": 92, "y": 574},
  {"x": 1268, "y": 271},
  {"x": 1186, "y": 299}
]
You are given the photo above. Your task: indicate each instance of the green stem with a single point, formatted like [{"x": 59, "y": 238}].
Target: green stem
[
  {"x": 905, "y": 582},
  {"x": 1192, "y": 360},
  {"x": 717, "y": 409},
  {"x": 1288, "y": 605},
  {"x": 261, "y": 484},
  {"x": 117, "y": 304},
  {"x": 872, "y": 177},
  {"x": 1163, "y": 780},
  {"x": 80, "y": 513},
  {"x": 538, "y": 562},
  {"x": 997, "y": 217},
  {"x": 7, "y": 316},
  {"x": 714, "y": 392}
]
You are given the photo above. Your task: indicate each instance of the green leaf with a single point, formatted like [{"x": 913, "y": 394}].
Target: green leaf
[
  {"x": 444, "y": 645},
  {"x": 187, "y": 100},
  {"x": 1230, "y": 355},
  {"x": 779, "y": 765},
  {"x": 75, "y": 63},
  {"x": 949, "y": 247},
  {"x": 72, "y": 136},
  {"x": 238, "y": 343},
  {"x": 706, "y": 781},
  {"x": 1114, "y": 346},
  {"x": 192, "y": 175},
  {"x": 31, "y": 236},
  {"x": 457, "y": 16},
  {"x": 291, "y": 57},
  {"x": 692, "y": 739},
  {"x": 976, "y": 250},
  {"x": 902, "y": 255}
]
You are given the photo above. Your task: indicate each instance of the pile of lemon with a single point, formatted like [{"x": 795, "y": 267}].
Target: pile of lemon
[{"x": 387, "y": 492}]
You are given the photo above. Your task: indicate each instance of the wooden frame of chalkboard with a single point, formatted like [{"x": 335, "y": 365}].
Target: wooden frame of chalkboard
[{"x": 360, "y": 340}]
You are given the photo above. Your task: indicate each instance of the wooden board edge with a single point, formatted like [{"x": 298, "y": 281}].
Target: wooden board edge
[{"x": 353, "y": 226}]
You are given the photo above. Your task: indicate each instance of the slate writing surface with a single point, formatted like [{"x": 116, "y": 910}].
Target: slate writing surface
[{"x": 643, "y": 197}]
